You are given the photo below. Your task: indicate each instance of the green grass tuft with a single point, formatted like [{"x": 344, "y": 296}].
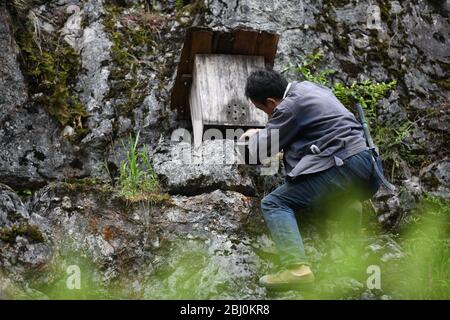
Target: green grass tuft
[{"x": 137, "y": 175}]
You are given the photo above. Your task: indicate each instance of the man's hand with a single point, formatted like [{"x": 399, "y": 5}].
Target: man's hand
[{"x": 249, "y": 133}]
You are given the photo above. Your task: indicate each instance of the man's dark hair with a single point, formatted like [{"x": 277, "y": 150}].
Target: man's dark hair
[{"x": 263, "y": 84}]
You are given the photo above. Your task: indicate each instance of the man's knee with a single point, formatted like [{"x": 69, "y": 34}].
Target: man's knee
[{"x": 270, "y": 202}]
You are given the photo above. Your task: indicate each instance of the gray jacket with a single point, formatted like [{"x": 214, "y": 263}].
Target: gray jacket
[{"x": 310, "y": 114}]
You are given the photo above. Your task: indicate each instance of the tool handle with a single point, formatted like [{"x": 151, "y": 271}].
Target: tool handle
[{"x": 362, "y": 119}]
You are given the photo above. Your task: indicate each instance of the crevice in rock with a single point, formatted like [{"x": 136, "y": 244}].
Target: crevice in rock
[{"x": 198, "y": 190}]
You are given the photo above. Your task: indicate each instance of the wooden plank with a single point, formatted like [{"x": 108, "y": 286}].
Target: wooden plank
[
  {"x": 201, "y": 44},
  {"x": 197, "y": 41},
  {"x": 180, "y": 91},
  {"x": 266, "y": 46},
  {"x": 245, "y": 42},
  {"x": 195, "y": 109},
  {"x": 223, "y": 43}
]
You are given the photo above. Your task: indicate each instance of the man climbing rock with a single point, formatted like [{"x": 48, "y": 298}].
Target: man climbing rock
[{"x": 324, "y": 152}]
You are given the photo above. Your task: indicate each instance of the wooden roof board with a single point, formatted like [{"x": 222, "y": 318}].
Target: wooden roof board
[
  {"x": 200, "y": 40},
  {"x": 245, "y": 42}
]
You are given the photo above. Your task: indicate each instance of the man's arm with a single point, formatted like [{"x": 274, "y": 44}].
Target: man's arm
[
  {"x": 278, "y": 133},
  {"x": 247, "y": 134}
]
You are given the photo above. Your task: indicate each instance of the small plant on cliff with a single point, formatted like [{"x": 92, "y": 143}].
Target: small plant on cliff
[
  {"x": 135, "y": 35},
  {"x": 366, "y": 93},
  {"x": 310, "y": 70},
  {"x": 179, "y": 4},
  {"x": 136, "y": 172}
]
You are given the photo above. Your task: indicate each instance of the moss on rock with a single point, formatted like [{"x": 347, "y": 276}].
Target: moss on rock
[
  {"x": 51, "y": 66},
  {"x": 107, "y": 192},
  {"x": 31, "y": 232},
  {"x": 443, "y": 83},
  {"x": 132, "y": 35}
]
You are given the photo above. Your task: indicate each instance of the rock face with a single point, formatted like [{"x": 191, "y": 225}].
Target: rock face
[
  {"x": 116, "y": 105},
  {"x": 22, "y": 246},
  {"x": 205, "y": 238},
  {"x": 12, "y": 208},
  {"x": 209, "y": 246},
  {"x": 32, "y": 151},
  {"x": 94, "y": 46},
  {"x": 119, "y": 82},
  {"x": 437, "y": 177},
  {"x": 122, "y": 238},
  {"x": 105, "y": 226},
  {"x": 14, "y": 91}
]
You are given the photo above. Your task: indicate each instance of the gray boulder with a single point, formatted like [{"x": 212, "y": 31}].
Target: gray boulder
[
  {"x": 186, "y": 170},
  {"x": 11, "y": 207},
  {"x": 436, "y": 178}
]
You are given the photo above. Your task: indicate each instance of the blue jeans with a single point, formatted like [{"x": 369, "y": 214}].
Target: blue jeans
[{"x": 310, "y": 191}]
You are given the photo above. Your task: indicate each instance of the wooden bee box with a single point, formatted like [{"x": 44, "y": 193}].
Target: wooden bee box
[
  {"x": 217, "y": 95},
  {"x": 211, "y": 77}
]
